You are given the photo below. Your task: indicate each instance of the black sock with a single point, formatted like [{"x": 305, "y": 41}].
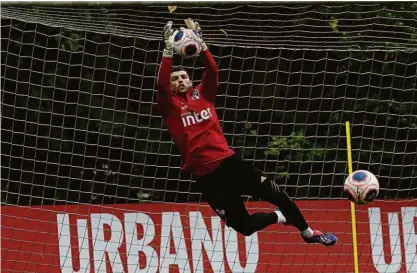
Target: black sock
[
  {"x": 288, "y": 208},
  {"x": 259, "y": 221}
]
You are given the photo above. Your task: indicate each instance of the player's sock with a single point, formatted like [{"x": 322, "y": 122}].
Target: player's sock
[
  {"x": 291, "y": 212},
  {"x": 281, "y": 217},
  {"x": 307, "y": 233},
  {"x": 255, "y": 222}
]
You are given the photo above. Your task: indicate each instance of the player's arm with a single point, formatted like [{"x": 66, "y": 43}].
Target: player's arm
[
  {"x": 210, "y": 80},
  {"x": 163, "y": 83}
]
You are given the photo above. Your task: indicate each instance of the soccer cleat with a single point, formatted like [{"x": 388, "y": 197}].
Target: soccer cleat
[{"x": 327, "y": 239}]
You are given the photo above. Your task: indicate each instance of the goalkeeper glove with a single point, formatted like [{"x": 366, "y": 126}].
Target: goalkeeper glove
[
  {"x": 169, "y": 35},
  {"x": 196, "y": 26}
]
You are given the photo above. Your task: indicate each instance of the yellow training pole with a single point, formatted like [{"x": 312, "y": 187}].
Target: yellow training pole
[{"x": 352, "y": 205}]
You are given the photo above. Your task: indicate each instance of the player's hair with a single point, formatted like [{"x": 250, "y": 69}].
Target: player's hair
[{"x": 178, "y": 68}]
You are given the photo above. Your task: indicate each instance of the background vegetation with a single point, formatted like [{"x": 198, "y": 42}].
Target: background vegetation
[{"x": 79, "y": 123}]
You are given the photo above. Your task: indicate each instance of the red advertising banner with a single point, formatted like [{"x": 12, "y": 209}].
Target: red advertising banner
[{"x": 171, "y": 238}]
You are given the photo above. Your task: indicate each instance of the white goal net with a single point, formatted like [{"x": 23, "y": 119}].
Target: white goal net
[{"x": 85, "y": 154}]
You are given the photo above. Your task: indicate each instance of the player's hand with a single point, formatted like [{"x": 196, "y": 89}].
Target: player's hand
[
  {"x": 194, "y": 25},
  {"x": 169, "y": 35}
]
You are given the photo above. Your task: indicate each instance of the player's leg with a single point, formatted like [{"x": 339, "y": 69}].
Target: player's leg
[
  {"x": 233, "y": 212},
  {"x": 222, "y": 191},
  {"x": 293, "y": 215},
  {"x": 260, "y": 186}
]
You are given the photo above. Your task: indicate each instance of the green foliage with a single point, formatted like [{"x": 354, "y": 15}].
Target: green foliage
[
  {"x": 399, "y": 17},
  {"x": 69, "y": 40},
  {"x": 89, "y": 100},
  {"x": 333, "y": 24},
  {"x": 283, "y": 175},
  {"x": 295, "y": 147}
]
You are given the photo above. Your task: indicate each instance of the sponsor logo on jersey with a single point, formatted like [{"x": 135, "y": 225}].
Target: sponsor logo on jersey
[{"x": 193, "y": 117}]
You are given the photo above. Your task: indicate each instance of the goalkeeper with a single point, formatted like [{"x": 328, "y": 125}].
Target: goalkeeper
[{"x": 221, "y": 176}]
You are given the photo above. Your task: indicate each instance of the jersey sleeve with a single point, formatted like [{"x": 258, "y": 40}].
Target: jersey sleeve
[
  {"x": 164, "y": 95},
  {"x": 210, "y": 81}
]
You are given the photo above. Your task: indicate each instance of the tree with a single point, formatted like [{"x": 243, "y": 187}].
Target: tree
[{"x": 79, "y": 120}]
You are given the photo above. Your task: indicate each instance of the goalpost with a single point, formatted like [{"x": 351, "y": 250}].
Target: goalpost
[{"x": 91, "y": 180}]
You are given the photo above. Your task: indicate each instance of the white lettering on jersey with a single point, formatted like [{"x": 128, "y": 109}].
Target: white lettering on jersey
[{"x": 194, "y": 117}]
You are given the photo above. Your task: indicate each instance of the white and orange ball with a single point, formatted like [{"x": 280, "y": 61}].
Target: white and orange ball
[
  {"x": 361, "y": 187},
  {"x": 186, "y": 43}
]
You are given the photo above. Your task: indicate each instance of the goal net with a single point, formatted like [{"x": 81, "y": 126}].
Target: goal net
[{"x": 91, "y": 179}]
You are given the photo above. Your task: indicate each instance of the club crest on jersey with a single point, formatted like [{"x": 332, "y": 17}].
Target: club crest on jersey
[{"x": 195, "y": 95}]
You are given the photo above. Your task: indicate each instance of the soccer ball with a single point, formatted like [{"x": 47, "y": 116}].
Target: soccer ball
[
  {"x": 361, "y": 187},
  {"x": 186, "y": 43}
]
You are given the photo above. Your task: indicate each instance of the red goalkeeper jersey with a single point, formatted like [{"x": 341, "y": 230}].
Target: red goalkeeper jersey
[{"x": 191, "y": 118}]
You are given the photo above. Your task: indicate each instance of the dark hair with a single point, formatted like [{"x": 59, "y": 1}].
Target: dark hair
[{"x": 178, "y": 68}]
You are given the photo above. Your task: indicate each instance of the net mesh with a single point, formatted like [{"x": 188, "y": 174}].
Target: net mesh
[
  {"x": 79, "y": 117},
  {"x": 79, "y": 123},
  {"x": 356, "y": 26}
]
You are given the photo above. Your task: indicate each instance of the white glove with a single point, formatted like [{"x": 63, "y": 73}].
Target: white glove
[
  {"x": 169, "y": 35},
  {"x": 196, "y": 26}
]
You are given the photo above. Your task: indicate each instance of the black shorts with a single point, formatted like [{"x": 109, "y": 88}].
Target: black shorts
[{"x": 223, "y": 188}]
